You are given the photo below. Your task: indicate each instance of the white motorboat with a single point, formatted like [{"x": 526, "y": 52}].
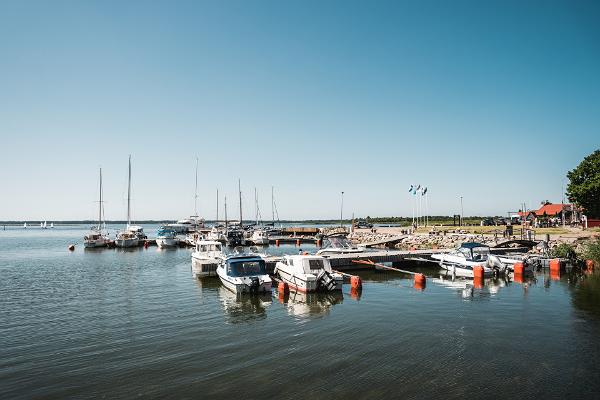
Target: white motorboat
[
  {"x": 132, "y": 234},
  {"x": 187, "y": 225},
  {"x": 244, "y": 273},
  {"x": 339, "y": 243},
  {"x": 461, "y": 261},
  {"x": 207, "y": 255},
  {"x": 260, "y": 237},
  {"x": 308, "y": 273},
  {"x": 97, "y": 236},
  {"x": 166, "y": 237}
]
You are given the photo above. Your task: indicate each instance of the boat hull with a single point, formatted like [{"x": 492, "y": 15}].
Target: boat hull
[
  {"x": 163, "y": 242},
  {"x": 93, "y": 244},
  {"x": 305, "y": 283},
  {"x": 203, "y": 267},
  {"x": 239, "y": 288},
  {"x": 125, "y": 243}
]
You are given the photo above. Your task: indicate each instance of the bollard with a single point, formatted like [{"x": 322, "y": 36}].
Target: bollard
[
  {"x": 71, "y": 247},
  {"x": 519, "y": 268},
  {"x": 555, "y": 264},
  {"x": 589, "y": 265},
  {"x": 356, "y": 282}
]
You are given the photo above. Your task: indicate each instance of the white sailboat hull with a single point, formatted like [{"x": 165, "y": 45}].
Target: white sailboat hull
[
  {"x": 88, "y": 244},
  {"x": 163, "y": 242},
  {"x": 124, "y": 243}
]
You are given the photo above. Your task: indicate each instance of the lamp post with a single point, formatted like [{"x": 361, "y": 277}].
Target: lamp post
[
  {"x": 461, "y": 211},
  {"x": 342, "y": 211}
]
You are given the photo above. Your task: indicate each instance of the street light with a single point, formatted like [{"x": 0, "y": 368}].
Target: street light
[
  {"x": 342, "y": 211},
  {"x": 461, "y": 211}
]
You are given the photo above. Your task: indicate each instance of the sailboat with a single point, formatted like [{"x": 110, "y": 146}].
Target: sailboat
[
  {"x": 44, "y": 225},
  {"x": 235, "y": 234},
  {"x": 25, "y": 225},
  {"x": 194, "y": 222},
  {"x": 130, "y": 236},
  {"x": 51, "y": 224},
  {"x": 259, "y": 236},
  {"x": 97, "y": 238}
]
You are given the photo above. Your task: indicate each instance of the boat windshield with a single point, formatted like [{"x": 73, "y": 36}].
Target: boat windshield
[
  {"x": 475, "y": 253},
  {"x": 210, "y": 247},
  {"x": 316, "y": 264},
  {"x": 339, "y": 242},
  {"x": 246, "y": 268}
]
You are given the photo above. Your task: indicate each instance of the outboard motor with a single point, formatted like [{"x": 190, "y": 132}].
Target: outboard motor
[
  {"x": 254, "y": 284},
  {"x": 497, "y": 265},
  {"x": 325, "y": 280}
]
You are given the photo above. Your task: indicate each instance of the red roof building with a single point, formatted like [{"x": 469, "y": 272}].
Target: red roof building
[{"x": 552, "y": 210}]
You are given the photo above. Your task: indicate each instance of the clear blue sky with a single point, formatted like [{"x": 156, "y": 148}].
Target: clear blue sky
[{"x": 492, "y": 101}]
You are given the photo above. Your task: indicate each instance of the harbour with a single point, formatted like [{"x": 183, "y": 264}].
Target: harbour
[{"x": 155, "y": 324}]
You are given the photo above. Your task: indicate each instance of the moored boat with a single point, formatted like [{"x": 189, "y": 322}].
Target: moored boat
[
  {"x": 97, "y": 237},
  {"x": 132, "y": 234},
  {"x": 244, "y": 273},
  {"x": 166, "y": 237},
  {"x": 461, "y": 261},
  {"x": 206, "y": 257},
  {"x": 308, "y": 273},
  {"x": 338, "y": 243}
]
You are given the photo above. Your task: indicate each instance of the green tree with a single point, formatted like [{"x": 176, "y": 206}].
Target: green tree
[{"x": 584, "y": 185}]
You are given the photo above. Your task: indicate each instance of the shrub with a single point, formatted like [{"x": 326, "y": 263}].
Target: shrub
[
  {"x": 591, "y": 251},
  {"x": 564, "y": 250}
]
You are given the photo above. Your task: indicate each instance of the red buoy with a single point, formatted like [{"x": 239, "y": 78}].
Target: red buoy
[
  {"x": 277, "y": 242},
  {"x": 145, "y": 244},
  {"x": 519, "y": 268},
  {"x": 478, "y": 271},
  {"x": 356, "y": 282},
  {"x": 555, "y": 265},
  {"x": 283, "y": 287},
  {"x": 420, "y": 282},
  {"x": 589, "y": 265}
]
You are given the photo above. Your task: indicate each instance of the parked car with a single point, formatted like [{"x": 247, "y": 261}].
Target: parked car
[
  {"x": 363, "y": 224},
  {"x": 488, "y": 222}
]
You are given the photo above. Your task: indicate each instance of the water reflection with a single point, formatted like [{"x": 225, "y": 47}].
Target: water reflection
[
  {"x": 244, "y": 307},
  {"x": 310, "y": 305},
  {"x": 586, "y": 295}
]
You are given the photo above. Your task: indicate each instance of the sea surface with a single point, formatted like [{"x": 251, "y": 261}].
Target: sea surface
[{"x": 124, "y": 324}]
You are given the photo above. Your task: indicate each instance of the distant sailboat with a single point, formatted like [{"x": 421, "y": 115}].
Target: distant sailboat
[
  {"x": 51, "y": 224},
  {"x": 44, "y": 225},
  {"x": 25, "y": 225}
]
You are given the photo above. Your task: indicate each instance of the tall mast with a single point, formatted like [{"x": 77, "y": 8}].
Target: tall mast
[
  {"x": 100, "y": 202},
  {"x": 256, "y": 205},
  {"x": 129, "y": 194},
  {"x": 217, "y": 220},
  {"x": 225, "y": 212},
  {"x": 196, "y": 191},
  {"x": 240, "y": 192},
  {"x": 273, "y": 206}
]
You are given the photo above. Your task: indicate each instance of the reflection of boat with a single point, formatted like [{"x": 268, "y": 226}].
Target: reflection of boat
[
  {"x": 244, "y": 307},
  {"x": 302, "y": 304},
  {"x": 208, "y": 254},
  {"x": 338, "y": 243},
  {"x": 166, "y": 237},
  {"x": 470, "y": 254},
  {"x": 308, "y": 273},
  {"x": 244, "y": 273}
]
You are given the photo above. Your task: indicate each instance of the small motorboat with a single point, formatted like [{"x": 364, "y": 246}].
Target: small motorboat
[
  {"x": 461, "y": 261},
  {"x": 166, "y": 237},
  {"x": 308, "y": 273},
  {"x": 244, "y": 273},
  {"x": 260, "y": 237},
  {"x": 338, "y": 243},
  {"x": 207, "y": 255}
]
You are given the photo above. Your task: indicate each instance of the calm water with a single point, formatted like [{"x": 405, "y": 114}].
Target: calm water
[{"x": 123, "y": 324}]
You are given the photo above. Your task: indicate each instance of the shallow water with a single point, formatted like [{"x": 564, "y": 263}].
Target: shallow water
[{"x": 121, "y": 324}]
